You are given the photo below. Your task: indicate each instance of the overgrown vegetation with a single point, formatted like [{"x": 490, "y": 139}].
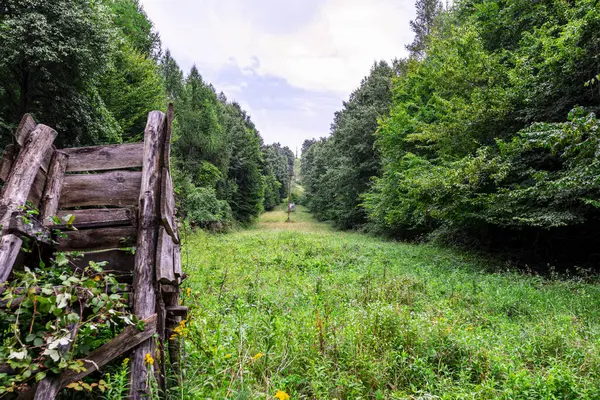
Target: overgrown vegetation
[
  {"x": 299, "y": 308},
  {"x": 105, "y": 64},
  {"x": 486, "y": 138}
]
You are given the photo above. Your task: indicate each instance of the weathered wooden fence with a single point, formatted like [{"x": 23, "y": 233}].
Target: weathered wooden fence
[{"x": 121, "y": 196}]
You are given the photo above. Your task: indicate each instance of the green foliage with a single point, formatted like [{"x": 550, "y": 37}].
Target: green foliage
[
  {"x": 137, "y": 29},
  {"x": 351, "y": 316},
  {"x": 459, "y": 152},
  {"x": 132, "y": 86},
  {"x": 338, "y": 171},
  {"x": 204, "y": 209},
  {"x": 39, "y": 64},
  {"x": 41, "y": 307}
]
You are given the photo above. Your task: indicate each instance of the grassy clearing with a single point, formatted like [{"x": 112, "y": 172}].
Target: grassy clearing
[{"x": 329, "y": 315}]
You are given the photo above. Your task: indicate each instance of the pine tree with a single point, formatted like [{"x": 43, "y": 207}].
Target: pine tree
[{"x": 427, "y": 11}]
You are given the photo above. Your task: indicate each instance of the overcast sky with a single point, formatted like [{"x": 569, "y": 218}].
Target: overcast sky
[{"x": 289, "y": 63}]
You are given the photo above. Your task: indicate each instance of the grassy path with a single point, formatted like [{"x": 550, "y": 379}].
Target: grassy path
[{"x": 320, "y": 314}]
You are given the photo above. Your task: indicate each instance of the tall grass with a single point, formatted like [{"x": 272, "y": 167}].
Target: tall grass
[{"x": 319, "y": 314}]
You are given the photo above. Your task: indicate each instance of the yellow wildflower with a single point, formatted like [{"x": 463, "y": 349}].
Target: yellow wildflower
[
  {"x": 281, "y": 395},
  {"x": 189, "y": 291},
  {"x": 126, "y": 361},
  {"x": 228, "y": 355},
  {"x": 257, "y": 356},
  {"x": 97, "y": 278},
  {"x": 148, "y": 359},
  {"x": 179, "y": 329}
]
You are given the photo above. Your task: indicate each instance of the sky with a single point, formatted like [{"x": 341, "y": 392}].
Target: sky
[{"x": 289, "y": 63}]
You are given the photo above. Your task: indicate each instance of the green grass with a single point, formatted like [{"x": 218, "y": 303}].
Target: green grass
[{"x": 340, "y": 315}]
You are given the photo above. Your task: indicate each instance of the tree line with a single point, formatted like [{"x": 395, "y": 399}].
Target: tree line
[
  {"x": 94, "y": 69},
  {"x": 486, "y": 135}
]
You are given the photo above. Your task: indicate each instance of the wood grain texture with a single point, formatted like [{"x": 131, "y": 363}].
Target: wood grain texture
[
  {"x": 25, "y": 169},
  {"x": 26, "y": 126},
  {"x": 125, "y": 341},
  {"x": 9, "y": 250},
  {"x": 167, "y": 149},
  {"x": 99, "y": 217},
  {"x": 167, "y": 205},
  {"x": 177, "y": 263},
  {"x": 37, "y": 189},
  {"x": 119, "y": 188},
  {"x": 15, "y": 191},
  {"x": 144, "y": 302},
  {"x": 98, "y": 239},
  {"x": 8, "y": 157},
  {"x": 100, "y": 158},
  {"x": 29, "y": 227},
  {"x": 164, "y": 257},
  {"x": 53, "y": 187}
]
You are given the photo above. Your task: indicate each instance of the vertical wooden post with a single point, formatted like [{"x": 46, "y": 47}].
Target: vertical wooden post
[
  {"x": 144, "y": 285},
  {"x": 56, "y": 177},
  {"x": 17, "y": 187}
]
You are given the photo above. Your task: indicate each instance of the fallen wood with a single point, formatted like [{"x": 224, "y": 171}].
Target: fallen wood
[
  {"x": 144, "y": 301},
  {"x": 120, "y": 188},
  {"x": 125, "y": 341},
  {"x": 56, "y": 177},
  {"x": 98, "y": 158},
  {"x": 98, "y": 239},
  {"x": 98, "y": 217}
]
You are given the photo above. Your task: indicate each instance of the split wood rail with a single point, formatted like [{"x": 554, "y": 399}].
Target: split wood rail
[{"x": 120, "y": 196}]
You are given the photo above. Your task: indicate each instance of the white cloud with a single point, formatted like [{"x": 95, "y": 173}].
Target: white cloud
[{"x": 331, "y": 52}]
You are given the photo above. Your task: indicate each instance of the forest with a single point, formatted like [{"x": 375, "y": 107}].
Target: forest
[
  {"x": 94, "y": 69},
  {"x": 444, "y": 244},
  {"x": 486, "y": 136}
]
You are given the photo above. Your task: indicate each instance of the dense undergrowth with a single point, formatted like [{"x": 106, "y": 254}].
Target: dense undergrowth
[{"x": 319, "y": 314}]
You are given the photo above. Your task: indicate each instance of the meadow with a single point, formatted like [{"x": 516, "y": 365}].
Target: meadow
[{"x": 300, "y": 311}]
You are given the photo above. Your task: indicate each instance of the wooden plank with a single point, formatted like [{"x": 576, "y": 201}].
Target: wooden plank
[
  {"x": 56, "y": 177},
  {"x": 32, "y": 229},
  {"x": 119, "y": 188},
  {"x": 125, "y": 341},
  {"x": 101, "y": 158},
  {"x": 177, "y": 263},
  {"x": 8, "y": 157},
  {"x": 119, "y": 261},
  {"x": 144, "y": 300},
  {"x": 167, "y": 205},
  {"x": 180, "y": 311},
  {"x": 26, "y": 126},
  {"x": 98, "y": 239},
  {"x": 9, "y": 250},
  {"x": 164, "y": 257},
  {"x": 98, "y": 217},
  {"x": 15, "y": 191},
  {"x": 167, "y": 149},
  {"x": 47, "y": 158},
  {"x": 37, "y": 188}
]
